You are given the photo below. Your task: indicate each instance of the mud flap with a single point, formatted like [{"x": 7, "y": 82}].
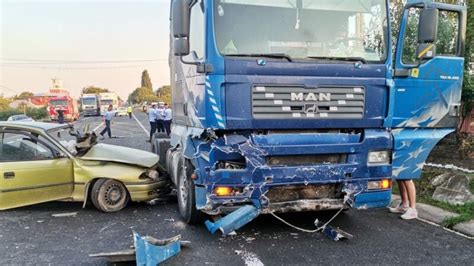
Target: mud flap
[{"x": 234, "y": 220}]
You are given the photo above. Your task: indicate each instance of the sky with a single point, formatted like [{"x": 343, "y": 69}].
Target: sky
[{"x": 131, "y": 34}]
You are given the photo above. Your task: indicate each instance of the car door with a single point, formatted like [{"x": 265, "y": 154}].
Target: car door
[
  {"x": 32, "y": 170},
  {"x": 426, "y": 89}
]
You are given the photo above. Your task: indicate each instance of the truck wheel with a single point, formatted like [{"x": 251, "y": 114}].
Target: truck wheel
[
  {"x": 186, "y": 193},
  {"x": 109, "y": 195}
]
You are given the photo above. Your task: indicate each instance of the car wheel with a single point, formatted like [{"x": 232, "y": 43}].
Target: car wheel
[
  {"x": 109, "y": 195},
  {"x": 186, "y": 193}
]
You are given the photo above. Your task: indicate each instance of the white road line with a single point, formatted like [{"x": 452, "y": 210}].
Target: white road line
[
  {"x": 97, "y": 127},
  {"x": 139, "y": 123}
]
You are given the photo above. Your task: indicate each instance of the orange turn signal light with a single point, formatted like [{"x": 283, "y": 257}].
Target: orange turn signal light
[
  {"x": 223, "y": 191},
  {"x": 385, "y": 184}
]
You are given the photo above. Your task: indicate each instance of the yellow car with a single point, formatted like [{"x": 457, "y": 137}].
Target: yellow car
[{"x": 42, "y": 162}]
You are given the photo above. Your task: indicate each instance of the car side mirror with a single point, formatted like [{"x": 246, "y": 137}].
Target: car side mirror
[{"x": 427, "y": 33}]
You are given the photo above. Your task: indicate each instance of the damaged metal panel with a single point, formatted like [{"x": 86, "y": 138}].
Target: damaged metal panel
[{"x": 234, "y": 220}]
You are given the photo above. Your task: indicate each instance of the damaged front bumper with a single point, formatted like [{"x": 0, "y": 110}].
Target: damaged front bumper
[{"x": 284, "y": 172}]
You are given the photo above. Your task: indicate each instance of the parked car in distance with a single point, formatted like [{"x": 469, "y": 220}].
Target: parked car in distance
[
  {"x": 42, "y": 162},
  {"x": 121, "y": 111},
  {"x": 20, "y": 118}
]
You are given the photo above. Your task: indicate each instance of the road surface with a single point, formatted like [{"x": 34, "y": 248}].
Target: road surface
[{"x": 32, "y": 235}]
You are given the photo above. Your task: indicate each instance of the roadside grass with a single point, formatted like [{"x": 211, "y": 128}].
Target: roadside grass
[{"x": 425, "y": 190}]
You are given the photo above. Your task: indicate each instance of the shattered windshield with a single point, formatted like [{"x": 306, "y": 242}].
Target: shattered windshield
[
  {"x": 302, "y": 29},
  {"x": 77, "y": 143}
]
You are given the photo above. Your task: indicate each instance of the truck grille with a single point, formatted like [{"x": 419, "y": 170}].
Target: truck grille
[{"x": 273, "y": 102}]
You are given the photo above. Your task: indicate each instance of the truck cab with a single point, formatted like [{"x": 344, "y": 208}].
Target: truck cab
[{"x": 301, "y": 105}]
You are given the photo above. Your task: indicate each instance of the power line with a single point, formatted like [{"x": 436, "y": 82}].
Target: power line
[
  {"x": 82, "y": 61},
  {"x": 70, "y": 68}
]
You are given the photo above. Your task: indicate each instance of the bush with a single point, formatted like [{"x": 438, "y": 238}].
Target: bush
[{"x": 35, "y": 113}]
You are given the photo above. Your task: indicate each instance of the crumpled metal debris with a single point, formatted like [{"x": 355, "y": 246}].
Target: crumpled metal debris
[
  {"x": 147, "y": 250},
  {"x": 66, "y": 214},
  {"x": 234, "y": 220}
]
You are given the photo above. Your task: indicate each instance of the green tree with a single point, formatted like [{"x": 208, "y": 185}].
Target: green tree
[
  {"x": 164, "y": 94},
  {"x": 24, "y": 96},
  {"x": 4, "y": 103},
  {"x": 146, "y": 81},
  {"x": 93, "y": 90},
  {"x": 142, "y": 94}
]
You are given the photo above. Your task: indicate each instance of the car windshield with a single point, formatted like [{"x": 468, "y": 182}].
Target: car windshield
[
  {"x": 69, "y": 138},
  {"x": 58, "y": 102},
  {"x": 302, "y": 29},
  {"x": 89, "y": 101}
]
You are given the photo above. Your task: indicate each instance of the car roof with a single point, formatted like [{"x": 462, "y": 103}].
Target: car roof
[{"x": 38, "y": 126}]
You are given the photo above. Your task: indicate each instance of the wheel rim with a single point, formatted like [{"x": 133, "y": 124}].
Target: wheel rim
[
  {"x": 183, "y": 189},
  {"x": 114, "y": 194}
]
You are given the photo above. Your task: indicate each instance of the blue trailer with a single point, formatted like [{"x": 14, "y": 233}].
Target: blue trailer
[{"x": 302, "y": 105}]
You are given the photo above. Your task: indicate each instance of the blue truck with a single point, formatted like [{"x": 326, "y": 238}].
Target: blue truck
[{"x": 306, "y": 105}]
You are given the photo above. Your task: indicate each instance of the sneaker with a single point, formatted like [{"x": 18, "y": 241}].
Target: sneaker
[
  {"x": 399, "y": 209},
  {"x": 410, "y": 214}
]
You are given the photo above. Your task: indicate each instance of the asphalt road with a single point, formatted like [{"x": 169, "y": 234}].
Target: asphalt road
[{"x": 31, "y": 235}]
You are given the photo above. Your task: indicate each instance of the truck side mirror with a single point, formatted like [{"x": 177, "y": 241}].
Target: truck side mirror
[
  {"x": 181, "y": 18},
  {"x": 181, "y": 46},
  {"x": 427, "y": 32}
]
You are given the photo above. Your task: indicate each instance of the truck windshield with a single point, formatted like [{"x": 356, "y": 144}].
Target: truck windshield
[
  {"x": 106, "y": 102},
  {"x": 89, "y": 101},
  {"x": 302, "y": 29},
  {"x": 58, "y": 103}
]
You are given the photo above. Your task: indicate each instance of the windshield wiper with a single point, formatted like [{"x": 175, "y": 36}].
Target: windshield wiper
[
  {"x": 332, "y": 58},
  {"x": 284, "y": 56}
]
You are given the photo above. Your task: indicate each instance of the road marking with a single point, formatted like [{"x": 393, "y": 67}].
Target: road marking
[
  {"x": 444, "y": 228},
  {"x": 139, "y": 123},
  {"x": 97, "y": 127}
]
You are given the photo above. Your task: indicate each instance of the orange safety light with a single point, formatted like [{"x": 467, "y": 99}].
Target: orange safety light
[
  {"x": 223, "y": 191},
  {"x": 385, "y": 184}
]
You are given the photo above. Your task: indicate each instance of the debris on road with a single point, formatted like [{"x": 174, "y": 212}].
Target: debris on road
[
  {"x": 66, "y": 214},
  {"x": 147, "y": 250},
  {"x": 234, "y": 220},
  {"x": 250, "y": 259}
]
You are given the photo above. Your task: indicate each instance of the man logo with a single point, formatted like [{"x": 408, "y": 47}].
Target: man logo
[{"x": 310, "y": 97}]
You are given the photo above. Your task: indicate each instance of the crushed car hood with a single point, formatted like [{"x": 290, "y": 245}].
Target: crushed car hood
[{"x": 119, "y": 154}]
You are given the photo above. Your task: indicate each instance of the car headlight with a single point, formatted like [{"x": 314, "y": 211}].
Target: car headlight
[
  {"x": 153, "y": 174},
  {"x": 379, "y": 157}
]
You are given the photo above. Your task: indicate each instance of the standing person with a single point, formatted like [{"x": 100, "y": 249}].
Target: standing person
[
  {"x": 167, "y": 117},
  {"x": 129, "y": 111},
  {"x": 60, "y": 112},
  {"x": 160, "y": 126},
  {"x": 152, "y": 118},
  {"x": 407, "y": 206},
  {"x": 108, "y": 119}
]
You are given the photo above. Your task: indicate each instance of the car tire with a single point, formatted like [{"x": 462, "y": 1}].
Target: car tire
[
  {"x": 186, "y": 193},
  {"x": 109, "y": 195}
]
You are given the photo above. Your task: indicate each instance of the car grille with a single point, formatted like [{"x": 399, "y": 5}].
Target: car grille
[{"x": 274, "y": 102}]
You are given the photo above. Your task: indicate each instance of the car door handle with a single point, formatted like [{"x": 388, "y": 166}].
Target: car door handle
[{"x": 9, "y": 175}]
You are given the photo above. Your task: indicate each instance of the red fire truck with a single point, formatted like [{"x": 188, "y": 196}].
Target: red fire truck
[{"x": 65, "y": 103}]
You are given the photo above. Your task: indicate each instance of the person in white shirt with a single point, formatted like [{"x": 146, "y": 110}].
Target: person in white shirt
[
  {"x": 152, "y": 120},
  {"x": 167, "y": 118},
  {"x": 160, "y": 125},
  {"x": 108, "y": 119}
]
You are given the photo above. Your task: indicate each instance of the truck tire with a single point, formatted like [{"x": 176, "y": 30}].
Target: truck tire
[
  {"x": 109, "y": 195},
  {"x": 186, "y": 193}
]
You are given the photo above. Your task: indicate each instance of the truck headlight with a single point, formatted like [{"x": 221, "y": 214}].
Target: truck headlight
[{"x": 379, "y": 157}]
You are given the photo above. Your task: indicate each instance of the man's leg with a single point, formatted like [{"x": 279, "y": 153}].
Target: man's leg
[
  {"x": 109, "y": 130},
  {"x": 152, "y": 129},
  {"x": 130, "y": 115},
  {"x": 168, "y": 127},
  {"x": 160, "y": 126}
]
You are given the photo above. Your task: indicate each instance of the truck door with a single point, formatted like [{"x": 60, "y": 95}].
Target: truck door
[
  {"x": 32, "y": 170},
  {"x": 426, "y": 90}
]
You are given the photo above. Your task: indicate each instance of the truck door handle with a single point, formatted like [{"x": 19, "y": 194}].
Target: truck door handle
[{"x": 9, "y": 175}]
